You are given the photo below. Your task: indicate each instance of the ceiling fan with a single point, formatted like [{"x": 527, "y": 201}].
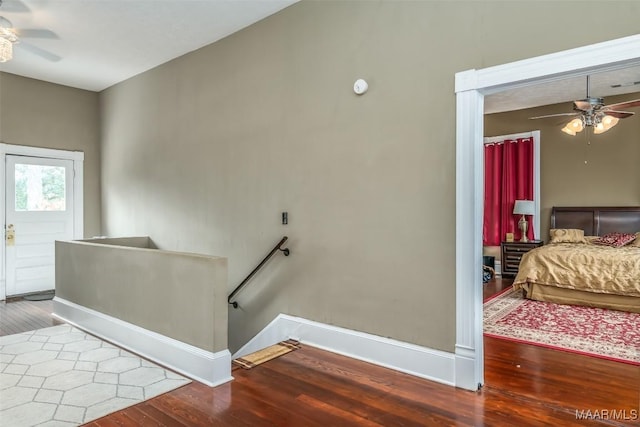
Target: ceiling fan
[
  {"x": 11, "y": 37},
  {"x": 592, "y": 112}
]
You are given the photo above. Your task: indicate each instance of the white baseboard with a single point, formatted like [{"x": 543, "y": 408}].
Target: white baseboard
[
  {"x": 204, "y": 366},
  {"x": 412, "y": 359},
  {"x": 498, "y": 268}
]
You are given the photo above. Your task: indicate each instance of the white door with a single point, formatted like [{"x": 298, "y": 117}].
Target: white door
[{"x": 39, "y": 211}]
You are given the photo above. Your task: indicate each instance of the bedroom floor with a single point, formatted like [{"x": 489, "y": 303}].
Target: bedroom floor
[
  {"x": 561, "y": 379},
  {"x": 524, "y": 385},
  {"x": 495, "y": 286}
]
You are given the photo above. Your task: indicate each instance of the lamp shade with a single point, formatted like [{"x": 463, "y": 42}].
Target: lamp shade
[
  {"x": 605, "y": 124},
  {"x": 574, "y": 126},
  {"x": 7, "y": 39},
  {"x": 524, "y": 207},
  {"x": 6, "y": 49}
]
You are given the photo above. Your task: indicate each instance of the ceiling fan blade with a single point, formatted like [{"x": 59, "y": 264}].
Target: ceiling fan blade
[
  {"x": 623, "y": 105},
  {"x": 619, "y": 114},
  {"x": 554, "y": 115},
  {"x": 13, "y": 6},
  {"x": 39, "y": 51},
  {"x": 582, "y": 105},
  {"x": 35, "y": 33}
]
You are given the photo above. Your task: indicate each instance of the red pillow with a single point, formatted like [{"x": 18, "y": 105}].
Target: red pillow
[{"x": 615, "y": 239}]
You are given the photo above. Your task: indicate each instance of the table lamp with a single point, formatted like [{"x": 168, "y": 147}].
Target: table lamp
[{"x": 523, "y": 207}]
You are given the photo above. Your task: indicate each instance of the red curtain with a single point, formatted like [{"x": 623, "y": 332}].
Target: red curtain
[{"x": 508, "y": 176}]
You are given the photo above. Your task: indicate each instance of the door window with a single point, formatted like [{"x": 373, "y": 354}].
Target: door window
[{"x": 39, "y": 188}]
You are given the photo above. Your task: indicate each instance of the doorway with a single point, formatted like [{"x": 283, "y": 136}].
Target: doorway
[
  {"x": 41, "y": 203},
  {"x": 471, "y": 87}
]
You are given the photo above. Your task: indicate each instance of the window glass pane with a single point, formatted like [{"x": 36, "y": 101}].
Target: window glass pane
[{"x": 40, "y": 188}]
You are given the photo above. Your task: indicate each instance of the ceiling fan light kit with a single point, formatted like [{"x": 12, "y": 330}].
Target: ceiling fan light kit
[
  {"x": 600, "y": 124},
  {"x": 7, "y": 39}
]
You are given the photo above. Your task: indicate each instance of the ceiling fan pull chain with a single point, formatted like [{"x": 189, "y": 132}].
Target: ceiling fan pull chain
[{"x": 586, "y": 146}]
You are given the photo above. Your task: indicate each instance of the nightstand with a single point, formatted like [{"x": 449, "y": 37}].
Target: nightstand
[{"x": 512, "y": 254}]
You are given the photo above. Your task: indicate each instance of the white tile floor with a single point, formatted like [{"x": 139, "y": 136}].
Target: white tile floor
[{"x": 60, "y": 376}]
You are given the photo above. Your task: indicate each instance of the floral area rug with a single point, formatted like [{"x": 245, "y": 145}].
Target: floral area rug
[{"x": 607, "y": 334}]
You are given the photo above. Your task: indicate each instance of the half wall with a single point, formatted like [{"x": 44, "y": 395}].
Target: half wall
[{"x": 168, "y": 306}]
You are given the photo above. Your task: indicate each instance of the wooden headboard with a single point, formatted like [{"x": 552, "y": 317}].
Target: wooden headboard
[{"x": 597, "y": 221}]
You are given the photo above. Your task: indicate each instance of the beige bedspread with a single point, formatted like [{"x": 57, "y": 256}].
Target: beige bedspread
[{"x": 588, "y": 267}]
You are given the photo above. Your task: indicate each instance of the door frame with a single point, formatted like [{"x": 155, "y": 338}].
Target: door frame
[
  {"x": 78, "y": 196},
  {"x": 470, "y": 87}
]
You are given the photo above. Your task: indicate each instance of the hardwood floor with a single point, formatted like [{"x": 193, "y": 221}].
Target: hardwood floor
[
  {"x": 495, "y": 286},
  {"x": 525, "y": 386},
  {"x": 21, "y": 315}
]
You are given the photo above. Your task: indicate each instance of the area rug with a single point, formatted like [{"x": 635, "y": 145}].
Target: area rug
[
  {"x": 254, "y": 359},
  {"x": 607, "y": 334},
  {"x": 64, "y": 377}
]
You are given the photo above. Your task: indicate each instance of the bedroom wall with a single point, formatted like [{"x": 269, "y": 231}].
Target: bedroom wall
[
  {"x": 581, "y": 170},
  {"x": 204, "y": 153},
  {"x": 40, "y": 114}
]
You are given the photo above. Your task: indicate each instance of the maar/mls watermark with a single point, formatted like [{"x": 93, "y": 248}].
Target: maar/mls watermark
[{"x": 608, "y": 414}]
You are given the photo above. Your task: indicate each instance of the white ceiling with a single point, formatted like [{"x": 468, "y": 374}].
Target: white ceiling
[
  {"x": 566, "y": 90},
  {"x": 103, "y": 42}
]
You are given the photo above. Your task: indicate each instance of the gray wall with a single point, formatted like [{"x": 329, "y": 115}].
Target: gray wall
[
  {"x": 581, "y": 170},
  {"x": 204, "y": 152},
  {"x": 39, "y": 114}
]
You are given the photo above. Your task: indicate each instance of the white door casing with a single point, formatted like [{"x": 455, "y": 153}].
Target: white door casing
[
  {"x": 28, "y": 258},
  {"x": 471, "y": 86}
]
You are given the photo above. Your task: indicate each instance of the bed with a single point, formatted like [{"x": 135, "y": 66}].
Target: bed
[{"x": 585, "y": 273}]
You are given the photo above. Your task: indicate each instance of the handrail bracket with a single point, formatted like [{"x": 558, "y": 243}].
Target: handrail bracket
[{"x": 285, "y": 251}]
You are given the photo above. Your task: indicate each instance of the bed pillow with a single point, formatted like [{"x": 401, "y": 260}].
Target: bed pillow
[
  {"x": 567, "y": 235},
  {"x": 615, "y": 239}
]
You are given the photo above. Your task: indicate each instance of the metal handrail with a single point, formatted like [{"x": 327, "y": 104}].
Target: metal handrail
[{"x": 278, "y": 247}]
